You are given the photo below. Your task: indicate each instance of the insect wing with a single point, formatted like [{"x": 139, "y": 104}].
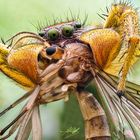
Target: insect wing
[
  {"x": 123, "y": 116},
  {"x": 132, "y": 91}
]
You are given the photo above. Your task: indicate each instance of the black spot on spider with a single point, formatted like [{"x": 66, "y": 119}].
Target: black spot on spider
[
  {"x": 120, "y": 93},
  {"x": 42, "y": 34}
]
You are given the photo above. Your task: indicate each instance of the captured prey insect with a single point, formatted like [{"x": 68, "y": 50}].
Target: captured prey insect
[{"x": 65, "y": 58}]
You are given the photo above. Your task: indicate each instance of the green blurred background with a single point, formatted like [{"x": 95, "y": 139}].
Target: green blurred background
[{"x": 60, "y": 120}]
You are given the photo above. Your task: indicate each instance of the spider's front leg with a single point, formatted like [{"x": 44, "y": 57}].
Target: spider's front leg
[
  {"x": 116, "y": 45},
  {"x": 124, "y": 19}
]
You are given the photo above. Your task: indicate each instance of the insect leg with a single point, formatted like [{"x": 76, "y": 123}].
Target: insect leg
[
  {"x": 28, "y": 106},
  {"x": 15, "y": 103},
  {"x": 10, "y": 124}
]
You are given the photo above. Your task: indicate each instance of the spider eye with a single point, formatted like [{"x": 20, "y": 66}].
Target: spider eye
[
  {"x": 78, "y": 25},
  {"x": 67, "y": 30},
  {"x": 50, "y": 50},
  {"x": 42, "y": 34},
  {"x": 53, "y": 34}
]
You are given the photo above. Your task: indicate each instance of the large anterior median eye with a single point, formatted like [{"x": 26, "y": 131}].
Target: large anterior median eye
[
  {"x": 67, "y": 30},
  {"x": 50, "y": 50},
  {"x": 53, "y": 34}
]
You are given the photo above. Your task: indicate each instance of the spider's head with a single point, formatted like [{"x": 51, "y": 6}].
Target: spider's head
[{"x": 61, "y": 33}]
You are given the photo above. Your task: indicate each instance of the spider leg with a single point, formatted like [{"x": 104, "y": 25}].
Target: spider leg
[
  {"x": 94, "y": 116},
  {"x": 123, "y": 18},
  {"x": 132, "y": 45}
]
